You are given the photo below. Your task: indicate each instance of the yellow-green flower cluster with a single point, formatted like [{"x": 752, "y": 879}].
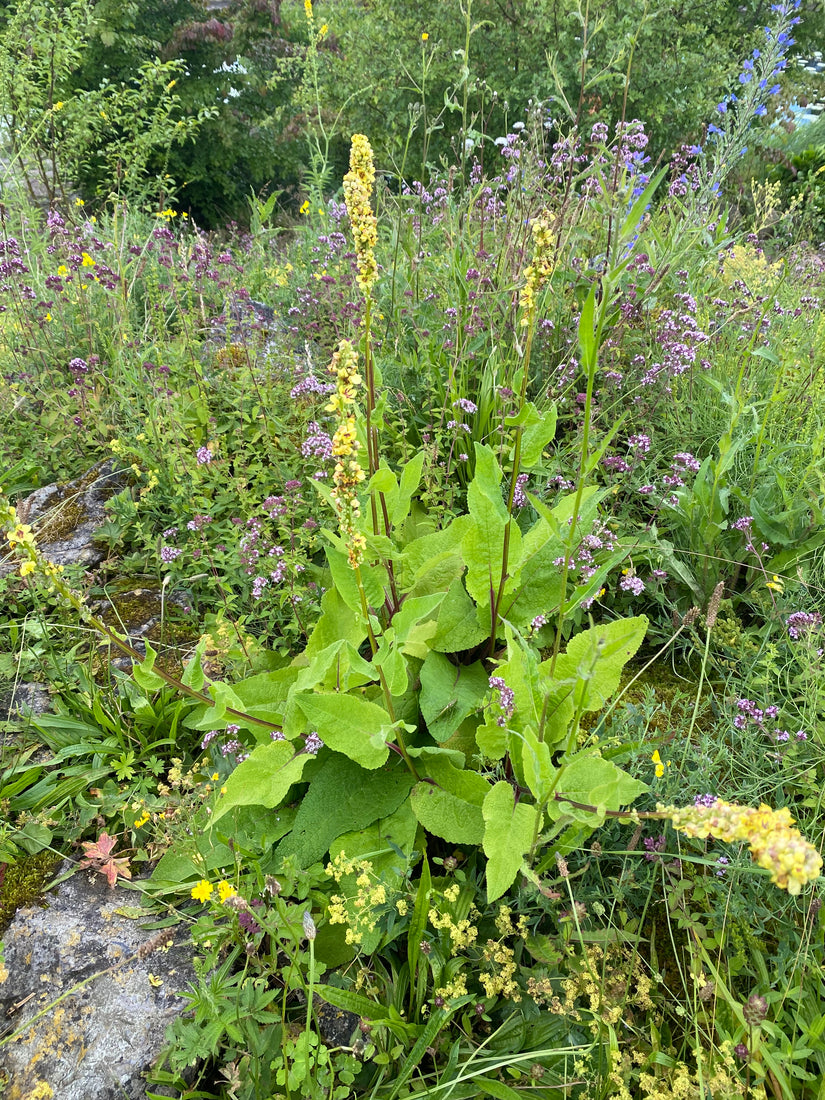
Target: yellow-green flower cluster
[
  {"x": 347, "y": 475},
  {"x": 358, "y": 910},
  {"x": 773, "y": 842},
  {"x": 357, "y": 195},
  {"x": 541, "y": 266}
]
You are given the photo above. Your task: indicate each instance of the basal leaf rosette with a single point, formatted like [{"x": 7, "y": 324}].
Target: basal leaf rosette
[{"x": 769, "y": 834}]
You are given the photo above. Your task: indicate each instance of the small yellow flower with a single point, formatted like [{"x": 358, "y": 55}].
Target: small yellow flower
[
  {"x": 225, "y": 890},
  {"x": 203, "y": 891},
  {"x": 87, "y": 260},
  {"x": 324, "y": 29},
  {"x": 63, "y": 270},
  {"x": 308, "y": 8},
  {"x": 775, "y": 584},
  {"x": 305, "y": 207},
  {"x": 79, "y": 202},
  {"x": 141, "y": 821},
  {"x": 660, "y": 765},
  {"x": 424, "y": 36},
  {"x": 58, "y": 106},
  {"x": 26, "y": 568}
]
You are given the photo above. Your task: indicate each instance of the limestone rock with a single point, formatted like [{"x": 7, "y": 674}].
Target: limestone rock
[
  {"x": 106, "y": 989},
  {"x": 66, "y": 517}
]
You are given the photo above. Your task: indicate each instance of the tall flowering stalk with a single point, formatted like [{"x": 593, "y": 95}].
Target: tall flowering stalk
[
  {"x": 773, "y": 842},
  {"x": 358, "y": 189},
  {"x": 536, "y": 275},
  {"x": 358, "y": 185},
  {"x": 348, "y": 474}
]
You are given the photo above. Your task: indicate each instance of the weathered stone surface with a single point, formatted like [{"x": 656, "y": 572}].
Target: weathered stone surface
[
  {"x": 25, "y": 698},
  {"x": 106, "y": 989},
  {"x": 66, "y": 517}
]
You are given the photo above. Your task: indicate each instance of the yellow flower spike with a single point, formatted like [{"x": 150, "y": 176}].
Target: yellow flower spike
[
  {"x": 358, "y": 184},
  {"x": 773, "y": 843}
]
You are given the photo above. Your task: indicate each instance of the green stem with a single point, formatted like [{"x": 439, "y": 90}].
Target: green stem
[
  {"x": 505, "y": 552},
  {"x": 583, "y": 458}
]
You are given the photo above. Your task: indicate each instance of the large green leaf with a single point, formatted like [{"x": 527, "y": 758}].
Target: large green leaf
[
  {"x": 536, "y": 434},
  {"x": 588, "y": 673},
  {"x": 451, "y": 808},
  {"x": 410, "y": 479},
  {"x": 509, "y": 832},
  {"x": 263, "y": 779},
  {"x": 338, "y": 622},
  {"x": 458, "y": 625},
  {"x": 594, "y": 781},
  {"x": 483, "y": 545},
  {"x": 350, "y": 725},
  {"x": 421, "y": 552},
  {"x": 373, "y": 578},
  {"x": 342, "y": 797},
  {"x": 449, "y": 693}
]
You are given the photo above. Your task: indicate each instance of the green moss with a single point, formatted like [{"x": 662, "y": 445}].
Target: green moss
[
  {"x": 126, "y": 612},
  {"x": 23, "y": 884}
]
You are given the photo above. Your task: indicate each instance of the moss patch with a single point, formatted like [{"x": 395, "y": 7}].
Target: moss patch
[{"x": 23, "y": 884}]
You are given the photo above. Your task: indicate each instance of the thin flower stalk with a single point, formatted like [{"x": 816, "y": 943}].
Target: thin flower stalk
[{"x": 536, "y": 275}]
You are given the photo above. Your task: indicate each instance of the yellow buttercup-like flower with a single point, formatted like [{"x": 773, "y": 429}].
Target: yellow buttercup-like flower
[{"x": 203, "y": 890}]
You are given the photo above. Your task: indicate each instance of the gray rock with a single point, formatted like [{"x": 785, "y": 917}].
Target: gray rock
[
  {"x": 25, "y": 698},
  {"x": 66, "y": 517},
  {"x": 87, "y": 994}
]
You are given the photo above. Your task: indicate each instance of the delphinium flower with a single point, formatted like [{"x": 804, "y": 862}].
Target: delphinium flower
[
  {"x": 769, "y": 834},
  {"x": 358, "y": 183},
  {"x": 348, "y": 474}
]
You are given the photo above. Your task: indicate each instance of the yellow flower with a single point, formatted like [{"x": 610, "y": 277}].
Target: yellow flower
[
  {"x": 79, "y": 202},
  {"x": 305, "y": 207},
  {"x": 141, "y": 821},
  {"x": 660, "y": 766},
  {"x": 26, "y": 568},
  {"x": 424, "y": 36},
  {"x": 773, "y": 843},
  {"x": 63, "y": 270},
  {"x": 308, "y": 8},
  {"x": 324, "y": 29},
  {"x": 87, "y": 260},
  {"x": 58, "y": 106},
  {"x": 203, "y": 891},
  {"x": 225, "y": 890},
  {"x": 357, "y": 194}
]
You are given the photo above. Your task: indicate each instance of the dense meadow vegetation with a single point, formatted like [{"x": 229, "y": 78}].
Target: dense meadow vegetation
[{"x": 479, "y": 482}]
